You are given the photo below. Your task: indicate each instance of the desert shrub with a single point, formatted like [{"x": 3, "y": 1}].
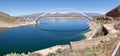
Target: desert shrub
[
  {"x": 34, "y": 54},
  {"x": 15, "y": 54},
  {"x": 51, "y": 54},
  {"x": 59, "y": 51},
  {"x": 117, "y": 26},
  {"x": 104, "y": 48}
]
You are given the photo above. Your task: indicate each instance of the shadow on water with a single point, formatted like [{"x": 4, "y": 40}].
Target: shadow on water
[
  {"x": 4, "y": 29},
  {"x": 38, "y": 27},
  {"x": 82, "y": 31}
]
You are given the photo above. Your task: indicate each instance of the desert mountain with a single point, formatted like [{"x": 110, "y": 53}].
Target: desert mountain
[{"x": 114, "y": 12}]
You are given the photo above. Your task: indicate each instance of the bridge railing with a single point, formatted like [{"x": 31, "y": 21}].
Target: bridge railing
[{"x": 116, "y": 52}]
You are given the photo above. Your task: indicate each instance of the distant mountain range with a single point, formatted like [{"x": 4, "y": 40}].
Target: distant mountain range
[
  {"x": 65, "y": 14},
  {"x": 71, "y": 14}
]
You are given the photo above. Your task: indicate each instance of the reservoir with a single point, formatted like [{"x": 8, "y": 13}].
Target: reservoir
[{"x": 48, "y": 33}]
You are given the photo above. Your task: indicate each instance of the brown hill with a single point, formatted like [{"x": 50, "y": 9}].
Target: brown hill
[
  {"x": 7, "y": 18},
  {"x": 7, "y": 21},
  {"x": 114, "y": 12}
]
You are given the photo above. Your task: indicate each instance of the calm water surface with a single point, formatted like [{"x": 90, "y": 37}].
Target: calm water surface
[{"x": 46, "y": 34}]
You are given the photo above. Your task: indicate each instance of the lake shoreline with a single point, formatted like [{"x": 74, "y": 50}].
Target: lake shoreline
[
  {"x": 79, "y": 45},
  {"x": 6, "y": 26},
  {"x": 53, "y": 49}
]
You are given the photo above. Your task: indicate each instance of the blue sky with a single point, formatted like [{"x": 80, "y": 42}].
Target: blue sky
[{"x": 23, "y": 7}]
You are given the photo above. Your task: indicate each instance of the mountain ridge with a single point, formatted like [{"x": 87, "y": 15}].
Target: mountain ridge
[{"x": 56, "y": 15}]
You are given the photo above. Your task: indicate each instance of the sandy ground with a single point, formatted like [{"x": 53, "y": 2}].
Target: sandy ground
[
  {"x": 53, "y": 49},
  {"x": 9, "y": 25},
  {"x": 94, "y": 28}
]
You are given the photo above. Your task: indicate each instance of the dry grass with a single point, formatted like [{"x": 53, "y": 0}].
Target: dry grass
[
  {"x": 106, "y": 21},
  {"x": 8, "y": 19},
  {"x": 104, "y": 49}
]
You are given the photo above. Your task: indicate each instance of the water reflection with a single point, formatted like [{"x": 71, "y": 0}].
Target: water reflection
[{"x": 63, "y": 25}]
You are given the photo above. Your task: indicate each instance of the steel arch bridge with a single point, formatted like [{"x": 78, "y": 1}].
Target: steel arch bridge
[{"x": 63, "y": 9}]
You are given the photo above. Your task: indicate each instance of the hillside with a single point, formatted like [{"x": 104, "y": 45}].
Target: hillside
[
  {"x": 9, "y": 21},
  {"x": 7, "y": 18}
]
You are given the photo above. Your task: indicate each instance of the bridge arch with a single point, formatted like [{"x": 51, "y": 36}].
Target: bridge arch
[{"x": 74, "y": 10}]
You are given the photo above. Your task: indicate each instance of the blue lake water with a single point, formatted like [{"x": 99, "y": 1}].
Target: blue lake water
[{"x": 46, "y": 34}]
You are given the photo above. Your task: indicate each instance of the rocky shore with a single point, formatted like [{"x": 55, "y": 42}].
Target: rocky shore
[{"x": 7, "y": 25}]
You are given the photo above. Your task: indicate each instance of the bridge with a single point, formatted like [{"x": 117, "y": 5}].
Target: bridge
[
  {"x": 116, "y": 51},
  {"x": 38, "y": 17},
  {"x": 26, "y": 17},
  {"x": 63, "y": 9}
]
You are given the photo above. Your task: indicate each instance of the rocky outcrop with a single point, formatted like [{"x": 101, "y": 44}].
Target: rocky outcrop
[
  {"x": 96, "y": 30},
  {"x": 110, "y": 28}
]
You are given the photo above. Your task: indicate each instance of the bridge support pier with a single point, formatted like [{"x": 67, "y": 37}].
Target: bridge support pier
[{"x": 37, "y": 21}]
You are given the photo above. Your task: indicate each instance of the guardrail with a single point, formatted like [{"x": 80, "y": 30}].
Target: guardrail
[{"x": 116, "y": 52}]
